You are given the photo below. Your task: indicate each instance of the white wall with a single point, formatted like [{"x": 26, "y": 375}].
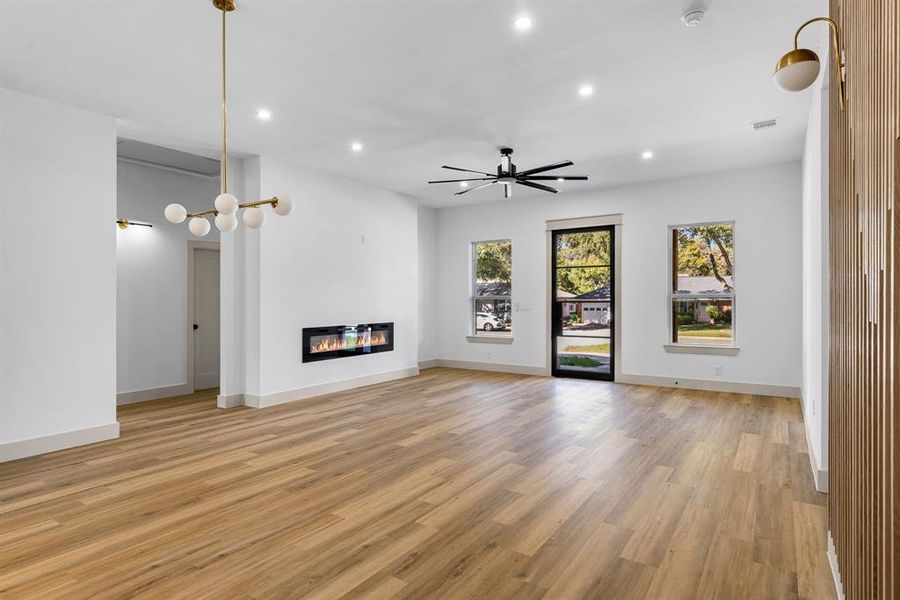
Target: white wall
[
  {"x": 234, "y": 350},
  {"x": 152, "y": 275},
  {"x": 57, "y": 275},
  {"x": 347, "y": 254},
  {"x": 764, "y": 202},
  {"x": 815, "y": 278},
  {"x": 428, "y": 329}
]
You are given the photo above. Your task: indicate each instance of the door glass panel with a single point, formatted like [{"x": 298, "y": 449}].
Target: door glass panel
[
  {"x": 581, "y": 354},
  {"x": 586, "y": 329},
  {"x": 583, "y": 283},
  {"x": 586, "y": 248}
]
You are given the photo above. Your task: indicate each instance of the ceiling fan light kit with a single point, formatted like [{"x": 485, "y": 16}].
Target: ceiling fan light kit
[
  {"x": 507, "y": 176},
  {"x": 226, "y": 205}
]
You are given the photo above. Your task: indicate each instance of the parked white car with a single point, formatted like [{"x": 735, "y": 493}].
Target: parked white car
[{"x": 488, "y": 322}]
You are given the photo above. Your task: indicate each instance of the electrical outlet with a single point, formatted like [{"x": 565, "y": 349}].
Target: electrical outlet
[
  {"x": 487, "y": 355},
  {"x": 718, "y": 371}
]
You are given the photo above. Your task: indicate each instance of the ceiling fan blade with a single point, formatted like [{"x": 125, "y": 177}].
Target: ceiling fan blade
[
  {"x": 554, "y": 177},
  {"x": 537, "y": 186},
  {"x": 534, "y": 171},
  {"x": 477, "y": 187},
  {"x": 468, "y": 171},
  {"x": 457, "y": 180}
]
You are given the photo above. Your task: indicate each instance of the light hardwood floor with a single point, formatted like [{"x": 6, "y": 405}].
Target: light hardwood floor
[{"x": 453, "y": 484}]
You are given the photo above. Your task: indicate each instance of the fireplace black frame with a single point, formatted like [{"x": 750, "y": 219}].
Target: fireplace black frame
[{"x": 309, "y": 332}]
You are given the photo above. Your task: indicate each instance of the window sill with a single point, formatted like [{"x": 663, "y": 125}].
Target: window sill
[
  {"x": 490, "y": 339},
  {"x": 702, "y": 349}
]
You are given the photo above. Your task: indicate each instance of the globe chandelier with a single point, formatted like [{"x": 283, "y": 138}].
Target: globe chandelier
[{"x": 226, "y": 205}]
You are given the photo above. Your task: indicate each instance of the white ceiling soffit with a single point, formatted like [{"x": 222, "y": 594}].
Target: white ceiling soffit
[
  {"x": 166, "y": 157},
  {"x": 424, "y": 84}
]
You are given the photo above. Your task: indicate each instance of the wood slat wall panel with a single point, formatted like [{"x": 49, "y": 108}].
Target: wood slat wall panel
[{"x": 864, "y": 420}]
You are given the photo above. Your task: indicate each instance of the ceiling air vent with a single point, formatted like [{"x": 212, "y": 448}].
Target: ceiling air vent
[{"x": 767, "y": 124}]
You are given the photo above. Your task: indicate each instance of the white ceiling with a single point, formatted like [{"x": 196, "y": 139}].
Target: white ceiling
[{"x": 423, "y": 84}]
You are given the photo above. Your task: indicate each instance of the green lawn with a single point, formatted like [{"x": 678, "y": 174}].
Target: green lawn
[
  {"x": 705, "y": 330},
  {"x": 577, "y": 361},
  {"x": 588, "y": 349}
]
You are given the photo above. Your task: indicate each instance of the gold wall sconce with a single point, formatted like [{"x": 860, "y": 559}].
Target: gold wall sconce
[
  {"x": 125, "y": 224},
  {"x": 798, "y": 69}
]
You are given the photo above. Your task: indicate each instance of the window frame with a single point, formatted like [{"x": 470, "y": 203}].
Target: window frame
[
  {"x": 555, "y": 329},
  {"x": 671, "y": 296},
  {"x": 503, "y": 334}
]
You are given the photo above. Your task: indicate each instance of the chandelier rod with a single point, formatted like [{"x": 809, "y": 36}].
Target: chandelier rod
[
  {"x": 224, "y": 112},
  {"x": 273, "y": 202}
]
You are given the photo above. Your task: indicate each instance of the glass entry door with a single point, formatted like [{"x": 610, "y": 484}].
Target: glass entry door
[{"x": 583, "y": 303}]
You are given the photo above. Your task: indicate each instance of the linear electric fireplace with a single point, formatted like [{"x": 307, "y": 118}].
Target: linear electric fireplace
[{"x": 324, "y": 343}]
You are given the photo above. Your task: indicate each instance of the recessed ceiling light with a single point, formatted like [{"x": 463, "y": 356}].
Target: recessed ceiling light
[
  {"x": 560, "y": 179},
  {"x": 463, "y": 184},
  {"x": 522, "y": 23},
  {"x": 264, "y": 114},
  {"x": 646, "y": 154},
  {"x": 356, "y": 146},
  {"x": 586, "y": 90}
]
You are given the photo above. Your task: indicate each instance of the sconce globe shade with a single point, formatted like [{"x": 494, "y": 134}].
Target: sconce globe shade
[
  {"x": 284, "y": 207},
  {"x": 226, "y": 204},
  {"x": 226, "y": 223},
  {"x": 199, "y": 226},
  {"x": 175, "y": 213},
  {"x": 797, "y": 70},
  {"x": 254, "y": 217}
]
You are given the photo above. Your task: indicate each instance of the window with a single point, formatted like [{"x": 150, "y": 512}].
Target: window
[
  {"x": 492, "y": 288},
  {"x": 701, "y": 296}
]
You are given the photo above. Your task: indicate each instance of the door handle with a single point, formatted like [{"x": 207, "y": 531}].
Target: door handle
[{"x": 196, "y": 327}]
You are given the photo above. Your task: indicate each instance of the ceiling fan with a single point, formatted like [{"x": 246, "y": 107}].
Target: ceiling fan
[{"x": 507, "y": 175}]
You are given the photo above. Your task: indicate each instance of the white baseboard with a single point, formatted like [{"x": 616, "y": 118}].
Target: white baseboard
[
  {"x": 58, "y": 441},
  {"x": 760, "y": 389},
  {"x": 835, "y": 569},
  {"x": 820, "y": 476},
  {"x": 153, "y": 394},
  {"x": 326, "y": 388},
  {"x": 736, "y": 387},
  {"x": 230, "y": 401},
  {"x": 496, "y": 367}
]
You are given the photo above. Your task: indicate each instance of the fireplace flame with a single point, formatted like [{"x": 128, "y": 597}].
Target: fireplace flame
[{"x": 332, "y": 343}]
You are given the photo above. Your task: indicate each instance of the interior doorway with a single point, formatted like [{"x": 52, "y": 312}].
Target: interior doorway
[
  {"x": 203, "y": 315},
  {"x": 583, "y": 302}
]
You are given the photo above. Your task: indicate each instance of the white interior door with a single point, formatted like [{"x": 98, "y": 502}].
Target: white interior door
[{"x": 206, "y": 319}]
